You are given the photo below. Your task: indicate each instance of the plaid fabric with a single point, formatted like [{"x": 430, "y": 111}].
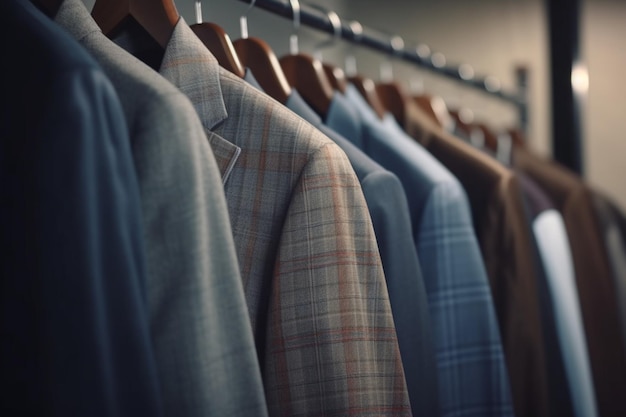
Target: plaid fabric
[
  {"x": 504, "y": 236},
  {"x": 473, "y": 380},
  {"x": 307, "y": 251},
  {"x": 389, "y": 210},
  {"x": 472, "y": 372}
]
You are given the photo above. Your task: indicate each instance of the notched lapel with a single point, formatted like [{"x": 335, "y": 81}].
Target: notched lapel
[
  {"x": 191, "y": 67},
  {"x": 226, "y": 154}
]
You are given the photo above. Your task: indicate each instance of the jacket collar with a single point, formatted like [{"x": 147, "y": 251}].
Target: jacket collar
[
  {"x": 190, "y": 66},
  {"x": 74, "y": 17}
]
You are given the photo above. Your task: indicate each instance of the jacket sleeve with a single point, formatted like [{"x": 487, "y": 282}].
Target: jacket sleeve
[
  {"x": 73, "y": 313},
  {"x": 332, "y": 345},
  {"x": 388, "y": 206}
]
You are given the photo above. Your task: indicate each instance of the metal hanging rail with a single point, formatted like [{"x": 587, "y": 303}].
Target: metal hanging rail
[{"x": 420, "y": 55}]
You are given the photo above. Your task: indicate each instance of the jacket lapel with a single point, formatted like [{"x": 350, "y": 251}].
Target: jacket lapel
[{"x": 191, "y": 67}]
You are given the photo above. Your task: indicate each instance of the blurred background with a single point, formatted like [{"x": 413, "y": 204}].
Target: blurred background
[{"x": 494, "y": 37}]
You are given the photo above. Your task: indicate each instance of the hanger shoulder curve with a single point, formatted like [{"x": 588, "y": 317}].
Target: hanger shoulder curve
[
  {"x": 218, "y": 42},
  {"x": 306, "y": 74},
  {"x": 336, "y": 76},
  {"x": 491, "y": 138},
  {"x": 425, "y": 102},
  {"x": 50, "y": 7},
  {"x": 255, "y": 54},
  {"x": 436, "y": 108},
  {"x": 157, "y": 17},
  {"x": 367, "y": 88},
  {"x": 393, "y": 99}
]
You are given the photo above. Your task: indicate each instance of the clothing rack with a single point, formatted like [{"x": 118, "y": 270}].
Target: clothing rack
[{"x": 420, "y": 55}]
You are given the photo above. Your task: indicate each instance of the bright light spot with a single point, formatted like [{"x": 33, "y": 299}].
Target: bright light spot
[
  {"x": 423, "y": 51},
  {"x": 580, "y": 78},
  {"x": 350, "y": 66},
  {"x": 397, "y": 43},
  {"x": 466, "y": 115},
  {"x": 356, "y": 28},
  {"x": 466, "y": 72},
  {"x": 443, "y": 115},
  {"x": 492, "y": 84},
  {"x": 438, "y": 59},
  {"x": 386, "y": 72},
  {"x": 416, "y": 86},
  {"x": 369, "y": 84}
]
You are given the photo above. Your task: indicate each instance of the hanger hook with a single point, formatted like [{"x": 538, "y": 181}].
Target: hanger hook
[
  {"x": 198, "y": 11},
  {"x": 243, "y": 20},
  {"x": 357, "y": 34},
  {"x": 293, "y": 39},
  {"x": 335, "y": 22},
  {"x": 198, "y": 4},
  {"x": 397, "y": 48},
  {"x": 397, "y": 45}
]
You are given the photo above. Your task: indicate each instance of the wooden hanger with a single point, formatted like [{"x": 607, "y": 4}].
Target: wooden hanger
[
  {"x": 469, "y": 129},
  {"x": 517, "y": 136},
  {"x": 491, "y": 139},
  {"x": 460, "y": 125},
  {"x": 257, "y": 55},
  {"x": 218, "y": 42},
  {"x": 367, "y": 88},
  {"x": 50, "y": 7},
  {"x": 364, "y": 85},
  {"x": 306, "y": 74},
  {"x": 393, "y": 98},
  {"x": 336, "y": 76},
  {"x": 157, "y": 17},
  {"x": 436, "y": 108},
  {"x": 392, "y": 95},
  {"x": 425, "y": 102}
]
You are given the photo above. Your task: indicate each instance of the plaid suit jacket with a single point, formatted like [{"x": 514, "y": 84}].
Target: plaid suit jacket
[
  {"x": 391, "y": 219},
  {"x": 310, "y": 265}
]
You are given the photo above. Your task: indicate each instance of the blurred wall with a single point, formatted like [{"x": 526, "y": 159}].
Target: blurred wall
[
  {"x": 604, "y": 46},
  {"x": 493, "y": 36}
]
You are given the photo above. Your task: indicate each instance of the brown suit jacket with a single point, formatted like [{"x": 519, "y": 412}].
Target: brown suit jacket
[{"x": 596, "y": 287}]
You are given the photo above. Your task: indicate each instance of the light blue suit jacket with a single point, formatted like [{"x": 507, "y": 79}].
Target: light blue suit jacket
[{"x": 473, "y": 379}]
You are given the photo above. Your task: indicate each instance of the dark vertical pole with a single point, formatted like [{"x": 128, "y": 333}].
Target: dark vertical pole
[
  {"x": 567, "y": 93},
  {"x": 521, "y": 75}
]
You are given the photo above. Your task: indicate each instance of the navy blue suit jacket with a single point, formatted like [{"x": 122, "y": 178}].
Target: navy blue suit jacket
[{"x": 73, "y": 326}]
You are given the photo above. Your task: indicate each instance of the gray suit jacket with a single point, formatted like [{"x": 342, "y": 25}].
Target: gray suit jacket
[
  {"x": 200, "y": 327},
  {"x": 310, "y": 264}
]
